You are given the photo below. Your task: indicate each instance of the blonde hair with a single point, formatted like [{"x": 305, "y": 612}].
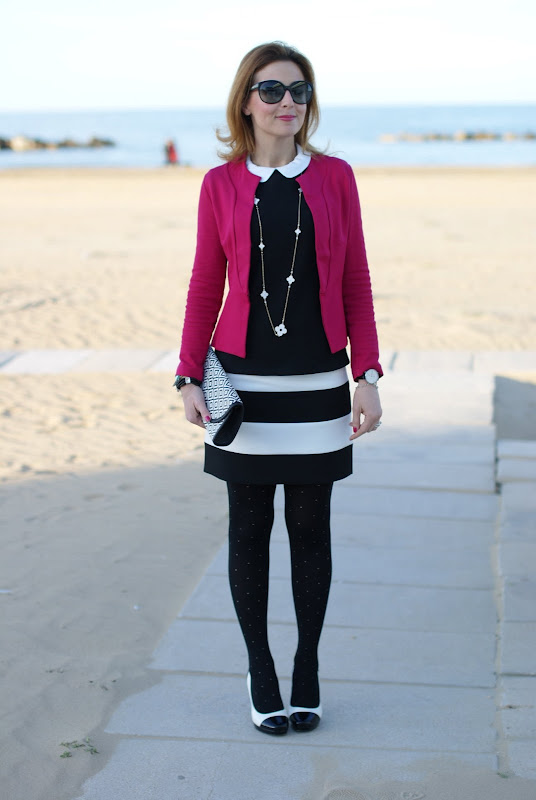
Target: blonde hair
[{"x": 241, "y": 138}]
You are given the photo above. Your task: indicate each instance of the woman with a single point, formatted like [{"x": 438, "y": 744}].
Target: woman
[{"x": 282, "y": 222}]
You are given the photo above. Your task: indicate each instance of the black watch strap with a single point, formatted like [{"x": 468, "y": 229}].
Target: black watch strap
[{"x": 182, "y": 380}]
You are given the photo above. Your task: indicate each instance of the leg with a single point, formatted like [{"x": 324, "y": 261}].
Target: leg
[
  {"x": 251, "y": 516},
  {"x": 307, "y": 514}
]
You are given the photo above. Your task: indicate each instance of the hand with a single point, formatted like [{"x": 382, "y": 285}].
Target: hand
[
  {"x": 194, "y": 404},
  {"x": 366, "y": 404}
]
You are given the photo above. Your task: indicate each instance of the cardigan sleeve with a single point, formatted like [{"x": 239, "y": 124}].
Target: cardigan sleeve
[
  {"x": 205, "y": 292},
  {"x": 357, "y": 293}
]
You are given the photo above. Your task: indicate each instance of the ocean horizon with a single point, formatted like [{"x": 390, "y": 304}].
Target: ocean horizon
[{"x": 353, "y": 133}]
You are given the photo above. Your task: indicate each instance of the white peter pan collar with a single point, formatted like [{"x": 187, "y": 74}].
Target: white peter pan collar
[{"x": 295, "y": 167}]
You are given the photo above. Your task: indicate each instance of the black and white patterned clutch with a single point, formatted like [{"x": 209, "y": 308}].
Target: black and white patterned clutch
[{"x": 225, "y": 406}]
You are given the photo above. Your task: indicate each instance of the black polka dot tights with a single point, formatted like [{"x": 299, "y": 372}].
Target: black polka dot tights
[{"x": 307, "y": 516}]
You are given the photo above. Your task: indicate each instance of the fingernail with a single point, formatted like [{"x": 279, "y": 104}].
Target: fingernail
[
  {"x": 355, "y": 430},
  {"x": 207, "y": 419}
]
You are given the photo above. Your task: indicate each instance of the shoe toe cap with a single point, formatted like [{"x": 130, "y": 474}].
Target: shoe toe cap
[
  {"x": 304, "y": 720},
  {"x": 276, "y": 725}
]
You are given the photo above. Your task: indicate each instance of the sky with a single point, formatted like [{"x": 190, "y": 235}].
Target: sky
[{"x": 119, "y": 54}]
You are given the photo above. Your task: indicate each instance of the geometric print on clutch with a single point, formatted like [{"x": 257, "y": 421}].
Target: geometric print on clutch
[{"x": 225, "y": 406}]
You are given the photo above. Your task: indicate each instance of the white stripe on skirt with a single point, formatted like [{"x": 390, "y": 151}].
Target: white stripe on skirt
[
  {"x": 289, "y": 383},
  {"x": 290, "y": 438}
]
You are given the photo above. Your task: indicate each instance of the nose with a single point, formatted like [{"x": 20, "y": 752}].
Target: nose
[{"x": 287, "y": 97}]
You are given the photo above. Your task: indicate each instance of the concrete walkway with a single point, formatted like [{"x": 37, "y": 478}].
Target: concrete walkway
[
  {"x": 428, "y": 656},
  {"x": 17, "y": 362}
]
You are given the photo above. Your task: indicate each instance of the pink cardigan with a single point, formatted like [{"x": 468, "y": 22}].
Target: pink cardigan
[{"x": 224, "y": 249}]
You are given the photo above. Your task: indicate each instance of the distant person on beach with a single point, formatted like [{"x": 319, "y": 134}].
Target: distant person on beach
[
  {"x": 171, "y": 152},
  {"x": 282, "y": 222}
]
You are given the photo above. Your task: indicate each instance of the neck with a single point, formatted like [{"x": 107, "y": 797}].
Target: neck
[{"x": 274, "y": 153}]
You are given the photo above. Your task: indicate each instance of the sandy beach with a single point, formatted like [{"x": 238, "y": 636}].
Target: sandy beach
[{"x": 106, "y": 527}]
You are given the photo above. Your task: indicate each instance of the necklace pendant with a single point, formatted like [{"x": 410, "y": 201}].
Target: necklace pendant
[{"x": 280, "y": 330}]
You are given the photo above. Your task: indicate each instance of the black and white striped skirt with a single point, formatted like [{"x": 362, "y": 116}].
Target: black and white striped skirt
[{"x": 295, "y": 431}]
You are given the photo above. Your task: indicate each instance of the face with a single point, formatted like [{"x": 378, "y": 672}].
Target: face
[{"x": 283, "y": 119}]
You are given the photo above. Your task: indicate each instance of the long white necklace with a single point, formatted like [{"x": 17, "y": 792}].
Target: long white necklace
[{"x": 280, "y": 329}]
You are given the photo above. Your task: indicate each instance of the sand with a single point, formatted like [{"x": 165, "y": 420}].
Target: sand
[
  {"x": 106, "y": 526},
  {"x": 101, "y": 259}
]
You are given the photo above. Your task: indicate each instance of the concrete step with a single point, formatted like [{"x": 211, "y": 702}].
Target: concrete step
[
  {"x": 43, "y": 362},
  {"x": 423, "y": 475},
  {"x": 161, "y": 769},
  {"x": 395, "y": 566},
  {"x": 354, "y": 605},
  {"x": 346, "y": 654},
  {"x": 200, "y": 704}
]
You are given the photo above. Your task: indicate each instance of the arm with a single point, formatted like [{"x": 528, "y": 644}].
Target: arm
[
  {"x": 357, "y": 293},
  {"x": 360, "y": 323},
  {"x": 205, "y": 292}
]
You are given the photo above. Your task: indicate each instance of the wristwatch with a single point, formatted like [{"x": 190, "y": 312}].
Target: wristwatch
[
  {"x": 182, "y": 380},
  {"x": 371, "y": 376}
]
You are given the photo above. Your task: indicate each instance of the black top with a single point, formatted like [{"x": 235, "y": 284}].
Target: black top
[{"x": 304, "y": 348}]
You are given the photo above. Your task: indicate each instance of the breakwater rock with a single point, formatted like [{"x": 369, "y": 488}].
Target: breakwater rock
[
  {"x": 20, "y": 144},
  {"x": 458, "y": 136}
]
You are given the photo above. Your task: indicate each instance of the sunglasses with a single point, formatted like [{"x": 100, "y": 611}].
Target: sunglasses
[{"x": 274, "y": 91}]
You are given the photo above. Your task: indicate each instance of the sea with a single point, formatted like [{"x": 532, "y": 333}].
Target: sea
[{"x": 352, "y": 133}]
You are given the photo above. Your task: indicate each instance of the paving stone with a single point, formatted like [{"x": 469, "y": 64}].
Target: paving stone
[
  {"x": 433, "y": 360},
  {"x": 521, "y": 758},
  {"x": 411, "y": 475},
  {"x": 518, "y": 533},
  {"x": 387, "y": 358},
  {"x": 518, "y": 690},
  {"x": 145, "y": 769},
  {"x": 518, "y": 708},
  {"x": 515, "y": 448},
  {"x": 476, "y": 386},
  {"x": 350, "y": 654},
  {"x": 443, "y": 434},
  {"x": 517, "y": 559},
  {"x": 398, "y": 566},
  {"x": 421, "y": 449},
  {"x": 500, "y": 361},
  {"x": 119, "y": 360},
  {"x": 362, "y": 606},
  {"x": 473, "y": 406},
  {"x": 7, "y": 355},
  {"x": 518, "y": 505},
  {"x": 411, "y": 503},
  {"x": 516, "y": 469},
  {"x": 44, "y": 362},
  {"x": 166, "y": 363},
  {"x": 415, "y": 503},
  {"x": 519, "y": 599},
  {"x": 371, "y": 530},
  {"x": 389, "y": 716},
  {"x": 518, "y": 648}
]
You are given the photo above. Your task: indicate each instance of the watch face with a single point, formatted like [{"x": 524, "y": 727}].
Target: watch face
[{"x": 372, "y": 375}]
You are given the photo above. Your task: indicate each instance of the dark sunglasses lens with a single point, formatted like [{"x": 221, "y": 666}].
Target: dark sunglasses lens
[
  {"x": 271, "y": 91},
  {"x": 301, "y": 92}
]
